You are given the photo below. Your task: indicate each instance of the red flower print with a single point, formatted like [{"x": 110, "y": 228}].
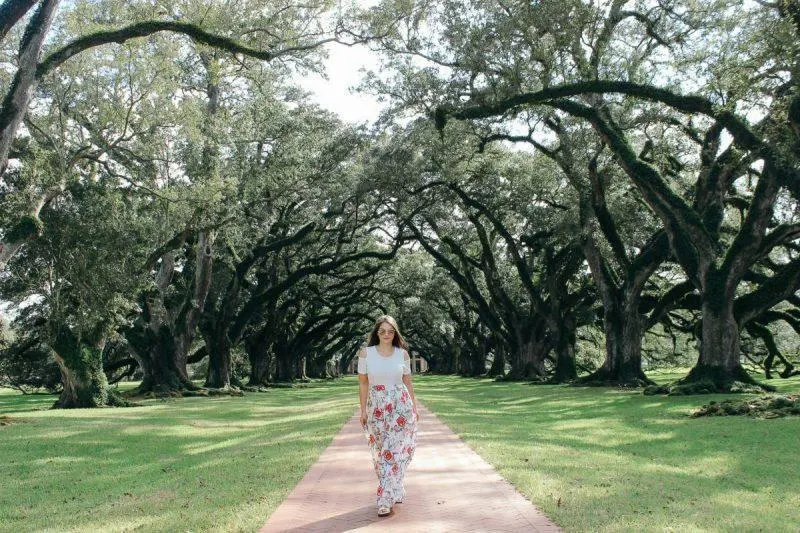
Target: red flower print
[
  {"x": 389, "y": 408},
  {"x": 380, "y": 387},
  {"x": 380, "y": 491},
  {"x": 408, "y": 450},
  {"x": 378, "y": 413},
  {"x": 372, "y": 439},
  {"x": 401, "y": 421},
  {"x": 395, "y": 468},
  {"x": 404, "y": 397},
  {"x": 387, "y": 455}
]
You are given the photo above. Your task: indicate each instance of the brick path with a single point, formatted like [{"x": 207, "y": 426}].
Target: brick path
[{"x": 449, "y": 488}]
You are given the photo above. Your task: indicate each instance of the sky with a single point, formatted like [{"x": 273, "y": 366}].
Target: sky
[{"x": 335, "y": 93}]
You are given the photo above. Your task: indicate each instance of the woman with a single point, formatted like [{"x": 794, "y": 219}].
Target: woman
[{"x": 388, "y": 409}]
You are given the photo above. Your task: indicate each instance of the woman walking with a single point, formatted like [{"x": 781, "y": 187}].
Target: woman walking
[{"x": 388, "y": 409}]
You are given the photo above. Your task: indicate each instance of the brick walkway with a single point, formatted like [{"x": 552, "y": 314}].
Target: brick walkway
[{"x": 449, "y": 488}]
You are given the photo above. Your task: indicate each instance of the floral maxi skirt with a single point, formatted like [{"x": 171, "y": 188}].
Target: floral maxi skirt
[{"x": 392, "y": 434}]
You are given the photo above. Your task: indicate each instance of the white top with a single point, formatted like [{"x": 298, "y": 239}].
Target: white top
[{"x": 388, "y": 370}]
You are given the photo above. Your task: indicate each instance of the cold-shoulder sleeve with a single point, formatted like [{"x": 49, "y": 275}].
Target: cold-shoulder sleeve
[
  {"x": 406, "y": 363},
  {"x": 362, "y": 361}
]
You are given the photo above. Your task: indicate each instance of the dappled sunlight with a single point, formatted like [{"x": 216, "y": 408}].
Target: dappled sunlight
[
  {"x": 122, "y": 524},
  {"x": 59, "y": 459},
  {"x": 149, "y": 467},
  {"x": 194, "y": 449},
  {"x": 152, "y": 467},
  {"x": 573, "y": 450},
  {"x": 53, "y": 434}
]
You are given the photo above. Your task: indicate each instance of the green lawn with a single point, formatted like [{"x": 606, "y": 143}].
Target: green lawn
[
  {"x": 192, "y": 464},
  {"x": 614, "y": 460}
]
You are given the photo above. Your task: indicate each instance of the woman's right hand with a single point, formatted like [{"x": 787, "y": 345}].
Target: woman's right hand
[{"x": 363, "y": 419}]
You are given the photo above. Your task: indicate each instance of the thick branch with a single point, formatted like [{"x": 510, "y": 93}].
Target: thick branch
[
  {"x": 775, "y": 289},
  {"x": 10, "y": 13},
  {"x": 143, "y": 29}
]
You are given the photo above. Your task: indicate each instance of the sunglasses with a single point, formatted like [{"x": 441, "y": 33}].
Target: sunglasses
[{"x": 385, "y": 331}]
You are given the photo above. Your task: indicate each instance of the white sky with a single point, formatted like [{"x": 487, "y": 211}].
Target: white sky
[{"x": 335, "y": 94}]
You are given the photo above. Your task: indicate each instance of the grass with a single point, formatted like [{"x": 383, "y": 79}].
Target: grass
[
  {"x": 603, "y": 459},
  {"x": 191, "y": 464},
  {"x": 593, "y": 459}
]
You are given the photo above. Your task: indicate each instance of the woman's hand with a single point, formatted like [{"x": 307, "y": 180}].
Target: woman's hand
[
  {"x": 416, "y": 414},
  {"x": 363, "y": 419}
]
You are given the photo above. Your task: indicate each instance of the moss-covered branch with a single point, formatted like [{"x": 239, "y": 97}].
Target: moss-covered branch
[
  {"x": 143, "y": 29},
  {"x": 743, "y": 136},
  {"x": 10, "y": 13},
  {"x": 772, "y": 291}
]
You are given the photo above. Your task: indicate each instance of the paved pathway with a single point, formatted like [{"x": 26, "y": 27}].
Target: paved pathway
[{"x": 449, "y": 488}]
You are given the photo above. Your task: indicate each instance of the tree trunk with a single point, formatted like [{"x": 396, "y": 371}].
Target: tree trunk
[
  {"x": 284, "y": 366},
  {"x": 528, "y": 360},
  {"x": 719, "y": 365},
  {"x": 82, "y": 375},
  {"x": 260, "y": 358},
  {"x": 473, "y": 364},
  {"x": 320, "y": 368},
  {"x": 623, "y": 325},
  {"x": 15, "y": 104},
  {"x": 300, "y": 369},
  {"x": 164, "y": 371},
  {"x": 162, "y": 340},
  {"x": 564, "y": 345},
  {"x": 219, "y": 359},
  {"x": 498, "y": 367}
]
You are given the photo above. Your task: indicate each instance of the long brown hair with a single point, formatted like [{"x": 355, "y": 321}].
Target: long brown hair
[{"x": 397, "y": 339}]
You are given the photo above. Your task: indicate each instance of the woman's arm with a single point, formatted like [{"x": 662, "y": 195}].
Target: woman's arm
[
  {"x": 409, "y": 385},
  {"x": 363, "y": 387}
]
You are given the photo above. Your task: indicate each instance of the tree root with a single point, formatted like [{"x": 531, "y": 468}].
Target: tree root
[
  {"x": 7, "y": 420},
  {"x": 772, "y": 406},
  {"x": 711, "y": 380},
  {"x": 603, "y": 378},
  {"x": 225, "y": 391}
]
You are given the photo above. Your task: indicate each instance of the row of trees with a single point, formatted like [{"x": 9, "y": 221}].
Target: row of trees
[
  {"x": 175, "y": 200},
  {"x": 676, "y": 106}
]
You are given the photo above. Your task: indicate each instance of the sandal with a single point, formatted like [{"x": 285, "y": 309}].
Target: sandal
[{"x": 384, "y": 510}]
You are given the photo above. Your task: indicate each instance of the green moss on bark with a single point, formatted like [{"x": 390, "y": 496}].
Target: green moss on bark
[{"x": 26, "y": 228}]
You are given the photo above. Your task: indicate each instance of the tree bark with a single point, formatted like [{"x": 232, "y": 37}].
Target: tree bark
[
  {"x": 719, "y": 365},
  {"x": 10, "y": 13},
  {"x": 260, "y": 356},
  {"x": 528, "y": 356},
  {"x": 284, "y": 365},
  {"x": 162, "y": 340},
  {"x": 15, "y": 104},
  {"x": 164, "y": 370},
  {"x": 623, "y": 325},
  {"x": 219, "y": 359},
  {"x": 498, "y": 367},
  {"x": 564, "y": 346},
  {"x": 81, "y": 364}
]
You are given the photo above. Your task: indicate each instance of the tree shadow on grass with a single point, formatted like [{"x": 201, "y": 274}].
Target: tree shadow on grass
[
  {"x": 185, "y": 464},
  {"x": 607, "y": 459}
]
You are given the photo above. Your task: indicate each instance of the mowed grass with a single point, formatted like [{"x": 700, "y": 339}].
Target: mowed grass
[
  {"x": 593, "y": 459},
  {"x": 603, "y": 459},
  {"x": 191, "y": 464}
]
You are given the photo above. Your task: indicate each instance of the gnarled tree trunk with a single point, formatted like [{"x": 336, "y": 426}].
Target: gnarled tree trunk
[
  {"x": 529, "y": 354},
  {"x": 81, "y": 364}
]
